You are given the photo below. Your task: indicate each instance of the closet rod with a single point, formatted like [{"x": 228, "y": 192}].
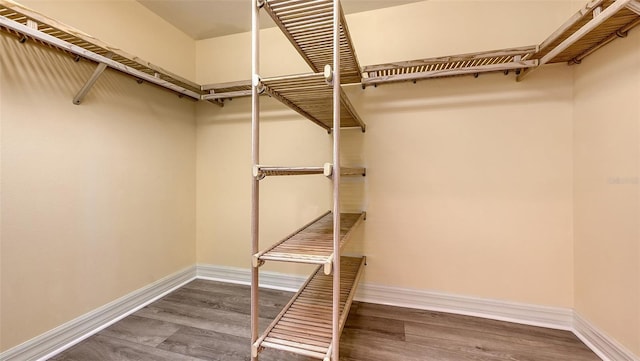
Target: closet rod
[{"x": 618, "y": 34}]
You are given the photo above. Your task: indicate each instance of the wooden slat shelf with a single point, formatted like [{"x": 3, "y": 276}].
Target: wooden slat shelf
[
  {"x": 308, "y": 25},
  {"x": 620, "y": 19},
  {"x": 596, "y": 24},
  {"x": 474, "y": 63},
  {"x": 221, "y": 91},
  {"x": 311, "y": 97},
  {"x": 261, "y": 171},
  {"x": 313, "y": 243},
  {"x": 304, "y": 325},
  {"x": 29, "y": 24}
]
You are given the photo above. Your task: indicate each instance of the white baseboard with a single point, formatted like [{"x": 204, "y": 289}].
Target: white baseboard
[
  {"x": 527, "y": 314},
  {"x": 242, "y": 276},
  {"x": 84, "y": 326},
  {"x": 76, "y": 330},
  {"x": 604, "y": 346},
  {"x": 551, "y": 317},
  {"x": 558, "y": 318}
]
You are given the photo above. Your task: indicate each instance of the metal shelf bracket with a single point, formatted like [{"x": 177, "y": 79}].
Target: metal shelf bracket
[{"x": 91, "y": 81}]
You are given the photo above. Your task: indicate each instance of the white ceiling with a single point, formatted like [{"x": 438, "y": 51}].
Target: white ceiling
[{"x": 202, "y": 19}]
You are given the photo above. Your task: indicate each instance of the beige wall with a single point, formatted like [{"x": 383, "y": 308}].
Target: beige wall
[
  {"x": 127, "y": 25},
  {"x": 607, "y": 200},
  {"x": 469, "y": 180},
  {"x": 445, "y": 27},
  {"x": 470, "y": 187},
  {"x": 98, "y": 200},
  {"x": 277, "y": 56},
  {"x": 224, "y": 179}
]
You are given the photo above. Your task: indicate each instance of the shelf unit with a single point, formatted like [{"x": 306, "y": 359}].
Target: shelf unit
[
  {"x": 312, "y": 322},
  {"x": 305, "y": 324}
]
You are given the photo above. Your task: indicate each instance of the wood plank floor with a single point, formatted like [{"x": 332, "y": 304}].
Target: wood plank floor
[{"x": 207, "y": 320}]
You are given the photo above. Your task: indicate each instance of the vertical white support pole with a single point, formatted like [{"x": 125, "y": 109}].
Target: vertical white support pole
[
  {"x": 336, "y": 182},
  {"x": 255, "y": 159}
]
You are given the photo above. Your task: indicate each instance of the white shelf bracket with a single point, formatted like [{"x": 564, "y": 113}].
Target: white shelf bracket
[
  {"x": 597, "y": 11},
  {"x": 91, "y": 81},
  {"x": 328, "y": 74},
  {"x": 328, "y": 170},
  {"x": 32, "y": 24},
  {"x": 256, "y": 81}
]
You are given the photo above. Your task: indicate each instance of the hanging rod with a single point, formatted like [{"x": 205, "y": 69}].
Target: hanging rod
[{"x": 622, "y": 33}]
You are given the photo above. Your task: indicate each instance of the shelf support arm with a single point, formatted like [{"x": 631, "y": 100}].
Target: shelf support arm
[{"x": 91, "y": 81}]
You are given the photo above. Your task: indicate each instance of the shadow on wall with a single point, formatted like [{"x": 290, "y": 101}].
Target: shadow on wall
[
  {"x": 238, "y": 110},
  {"x": 37, "y": 68},
  {"x": 456, "y": 92},
  {"x": 489, "y": 90}
]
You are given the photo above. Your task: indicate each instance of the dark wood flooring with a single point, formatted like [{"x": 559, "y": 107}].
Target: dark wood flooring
[{"x": 207, "y": 320}]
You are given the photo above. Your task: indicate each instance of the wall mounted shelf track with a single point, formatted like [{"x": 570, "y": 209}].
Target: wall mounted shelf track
[
  {"x": 27, "y": 24},
  {"x": 312, "y": 243},
  {"x": 474, "y": 63},
  {"x": 308, "y": 24},
  {"x": 304, "y": 325},
  {"x": 311, "y": 97},
  {"x": 596, "y": 24}
]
